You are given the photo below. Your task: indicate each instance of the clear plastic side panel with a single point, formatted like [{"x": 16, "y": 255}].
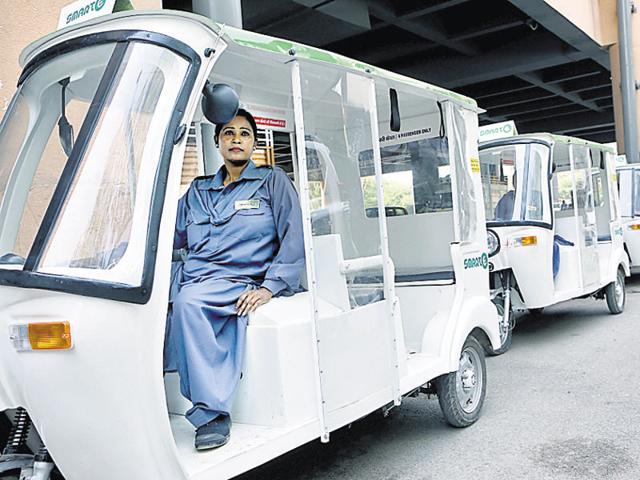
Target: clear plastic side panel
[
  {"x": 355, "y": 346},
  {"x": 416, "y": 176},
  {"x": 625, "y": 186},
  {"x": 535, "y": 194},
  {"x": 587, "y": 231},
  {"x": 601, "y": 194},
  {"x": 346, "y": 240},
  {"x": 499, "y": 180},
  {"x": 32, "y": 155},
  {"x": 636, "y": 192},
  {"x": 611, "y": 177},
  {"x": 101, "y": 230},
  {"x": 464, "y": 152}
]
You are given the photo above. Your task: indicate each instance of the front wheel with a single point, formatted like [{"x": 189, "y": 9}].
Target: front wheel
[
  {"x": 461, "y": 394},
  {"x": 615, "y": 294}
]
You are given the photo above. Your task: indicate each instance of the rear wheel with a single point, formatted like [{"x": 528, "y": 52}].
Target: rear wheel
[
  {"x": 461, "y": 393},
  {"x": 536, "y": 311},
  {"x": 615, "y": 294}
]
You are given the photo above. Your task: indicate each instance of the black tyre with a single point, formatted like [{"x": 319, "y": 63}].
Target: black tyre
[
  {"x": 506, "y": 332},
  {"x": 536, "y": 311},
  {"x": 615, "y": 293},
  {"x": 461, "y": 393}
]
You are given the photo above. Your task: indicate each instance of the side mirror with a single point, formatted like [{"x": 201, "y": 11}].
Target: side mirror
[
  {"x": 394, "y": 123},
  {"x": 220, "y": 103}
]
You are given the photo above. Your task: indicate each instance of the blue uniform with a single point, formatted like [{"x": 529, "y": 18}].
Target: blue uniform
[{"x": 245, "y": 236}]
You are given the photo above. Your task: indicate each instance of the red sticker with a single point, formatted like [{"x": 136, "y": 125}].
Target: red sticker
[{"x": 271, "y": 122}]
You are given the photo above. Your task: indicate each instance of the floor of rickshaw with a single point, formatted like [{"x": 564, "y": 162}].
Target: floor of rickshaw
[{"x": 249, "y": 446}]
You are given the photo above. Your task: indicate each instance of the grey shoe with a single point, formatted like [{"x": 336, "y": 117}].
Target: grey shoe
[{"x": 213, "y": 434}]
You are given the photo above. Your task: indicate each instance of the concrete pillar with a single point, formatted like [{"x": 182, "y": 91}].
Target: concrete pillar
[{"x": 616, "y": 79}]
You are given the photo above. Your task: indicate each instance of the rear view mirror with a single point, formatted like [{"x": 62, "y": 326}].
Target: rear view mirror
[
  {"x": 65, "y": 129},
  {"x": 394, "y": 123},
  {"x": 65, "y": 132},
  {"x": 220, "y": 103}
]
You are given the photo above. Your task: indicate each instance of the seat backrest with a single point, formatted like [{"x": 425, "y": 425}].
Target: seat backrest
[{"x": 331, "y": 284}]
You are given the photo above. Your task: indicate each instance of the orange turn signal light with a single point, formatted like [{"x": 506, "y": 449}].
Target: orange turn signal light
[
  {"x": 526, "y": 241},
  {"x": 634, "y": 226},
  {"x": 50, "y": 336}
]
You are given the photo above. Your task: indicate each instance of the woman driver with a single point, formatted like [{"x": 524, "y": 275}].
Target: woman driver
[{"x": 242, "y": 229}]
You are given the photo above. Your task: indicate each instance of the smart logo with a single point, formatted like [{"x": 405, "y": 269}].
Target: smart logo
[
  {"x": 477, "y": 262},
  {"x": 94, "y": 6}
]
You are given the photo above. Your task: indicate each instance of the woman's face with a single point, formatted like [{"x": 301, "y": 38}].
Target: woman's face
[{"x": 236, "y": 141}]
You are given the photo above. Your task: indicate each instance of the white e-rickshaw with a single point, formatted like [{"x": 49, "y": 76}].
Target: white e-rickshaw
[
  {"x": 553, "y": 224},
  {"x": 629, "y": 190},
  {"x": 108, "y": 127}
]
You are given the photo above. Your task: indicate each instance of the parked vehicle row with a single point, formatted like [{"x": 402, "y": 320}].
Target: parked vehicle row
[
  {"x": 553, "y": 224},
  {"x": 403, "y": 295}
]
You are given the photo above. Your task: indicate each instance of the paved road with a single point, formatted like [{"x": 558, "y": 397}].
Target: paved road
[{"x": 563, "y": 403}]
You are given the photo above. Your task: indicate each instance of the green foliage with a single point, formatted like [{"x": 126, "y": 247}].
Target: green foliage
[{"x": 398, "y": 190}]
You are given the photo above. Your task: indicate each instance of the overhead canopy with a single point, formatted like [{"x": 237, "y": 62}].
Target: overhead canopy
[{"x": 520, "y": 59}]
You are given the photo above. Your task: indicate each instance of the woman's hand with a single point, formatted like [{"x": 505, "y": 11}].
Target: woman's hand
[{"x": 252, "y": 299}]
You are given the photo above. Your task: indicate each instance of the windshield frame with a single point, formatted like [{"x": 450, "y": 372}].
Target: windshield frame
[
  {"x": 28, "y": 277},
  {"x": 526, "y": 142}
]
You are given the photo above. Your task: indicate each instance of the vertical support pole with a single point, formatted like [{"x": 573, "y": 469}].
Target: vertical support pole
[
  {"x": 308, "y": 241},
  {"x": 628, "y": 83},
  {"x": 387, "y": 264},
  {"x": 576, "y": 216},
  {"x": 447, "y": 109}
]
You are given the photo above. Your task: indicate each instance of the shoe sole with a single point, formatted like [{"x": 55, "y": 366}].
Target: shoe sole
[{"x": 211, "y": 446}]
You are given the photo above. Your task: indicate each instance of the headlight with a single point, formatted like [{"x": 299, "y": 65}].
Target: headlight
[{"x": 493, "y": 242}]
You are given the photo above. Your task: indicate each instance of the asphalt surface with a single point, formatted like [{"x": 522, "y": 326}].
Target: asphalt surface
[{"x": 563, "y": 403}]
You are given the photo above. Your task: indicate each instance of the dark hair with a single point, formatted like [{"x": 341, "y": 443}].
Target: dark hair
[{"x": 241, "y": 113}]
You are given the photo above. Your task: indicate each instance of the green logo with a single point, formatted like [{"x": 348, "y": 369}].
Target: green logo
[
  {"x": 93, "y": 6},
  {"x": 477, "y": 262}
]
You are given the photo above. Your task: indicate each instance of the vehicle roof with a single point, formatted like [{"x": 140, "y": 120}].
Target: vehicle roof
[
  {"x": 549, "y": 138},
  {"x": 246, "y": 39}
]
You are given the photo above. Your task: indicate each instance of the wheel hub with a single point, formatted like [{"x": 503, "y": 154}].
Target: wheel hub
[
  {"x": 469, "y": 380},
  {"x": 619, "y": 289}
]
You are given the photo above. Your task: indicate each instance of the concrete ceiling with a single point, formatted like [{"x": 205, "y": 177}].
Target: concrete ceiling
[{"x": 518, "y": 58}]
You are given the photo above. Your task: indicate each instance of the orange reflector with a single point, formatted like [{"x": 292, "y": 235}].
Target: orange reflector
[
  {"x": 526, "y": 241},
  {"x": 50, "y": 336},
  {"x": 634, "y": 226}
]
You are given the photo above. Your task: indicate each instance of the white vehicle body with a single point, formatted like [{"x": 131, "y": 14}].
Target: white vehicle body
[
  {"x": 629, "y": 189},
  {"x": 562, "y": 236},
  {"x": 390, "y": 302}
]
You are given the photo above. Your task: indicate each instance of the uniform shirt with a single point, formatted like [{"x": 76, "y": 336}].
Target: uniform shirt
[{"x": 248, "y": 232}]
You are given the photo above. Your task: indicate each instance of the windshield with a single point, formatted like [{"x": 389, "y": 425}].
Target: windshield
[
  {"x": 79, "y": 148},
  {"x": 514, "y": 183}
]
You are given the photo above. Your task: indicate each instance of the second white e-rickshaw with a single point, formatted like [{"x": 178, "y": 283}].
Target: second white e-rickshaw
[
  {"x": 629, "y": 191},
  {"x": 105, "y": 131},
  {"x": 553, "y": 224}
]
